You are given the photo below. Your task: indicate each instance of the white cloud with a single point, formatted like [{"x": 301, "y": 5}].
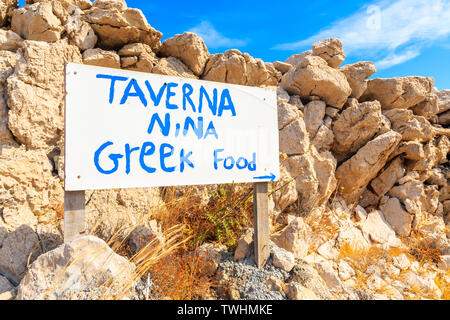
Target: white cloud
[
  {"x": 387, "y": 30},
  {"x": 213, "y": 38}
]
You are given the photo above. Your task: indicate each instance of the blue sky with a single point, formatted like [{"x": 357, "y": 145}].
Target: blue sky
[{"x": 402, "y": 37}]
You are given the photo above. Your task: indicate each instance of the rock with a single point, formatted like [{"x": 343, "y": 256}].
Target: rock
[
  {"x": 274, "y": 284},
  {"x": 18, "y": 248},
  {"x": 282, "y": 66},
  {"x": 142, "y": 58},
  {"x": 314, "y": 77},
  {"x": 400, "y": 93},
  {"x": 294, "y": 238},
  {"x": 307, "y": 276},
  {"x": 443, "y": 100},
  {"x": 411, "y": 127},
  {"x": 323, "y": 140},
  {"x": 360, "y": 214},
  {"x": 37, "y": 22},
  {"x": 379, "y": 230},
  {"x": 428, "y": 108},
  {"x": 36, "y": 98},
  {"x": 209, "y": 258},
  {"x": 237, "y": 68},
  {"x": 357, "y": 74},
  {"x": 116, "y": 25},
  {"x": 411, "y": 150},
  {"x": 295, "y": 291},
  {"x": 314, "y": 174},
  {"x": 10, "y": 40},
  {"x": 401, "y": 261},
  {"x": 412, "y": 190},
  {"x": 328, "y": 251},
  {"x": 294, "y": 138},
  {"x": 287, "y": 113},
  {"x": 114, "y": 213},
  {"x": 329, "y": 274},
  {"x": 80, "y": 32},
  {"x": 297, "y": 58},
  {"x": 388, "y": 177},
  {"x": 444, "y": 118},
  {"x": 189, "y": 48},
  {"x": 101, "y": 58},
  {"x": 284, "y": 191},
  {"x": 345, "y": 270},
  {"x": 314, "y": 114},
  {"x": 5, "y": 286},
  {"x": 172, "y": 67},
  {"x": 355, "y": 127},
  {"x": 143, "y": 236},
  {"x": 83, "y": 269},
  {"x": 243, "y": 244},
  {"x": 282, "y": 258},
  {"x": 6, "y": 7},
  {"x": 29, "y": 192},
  {"x": 354, "y": 174},
  {"x": 8, "y": 62},
  {"x": 329, "y": 50},
  {"x": 353, "y": 237},
  {"x": 396, "y": 216}
]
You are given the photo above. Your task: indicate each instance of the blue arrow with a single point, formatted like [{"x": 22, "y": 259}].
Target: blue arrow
[{"x": 271, "y": 177}]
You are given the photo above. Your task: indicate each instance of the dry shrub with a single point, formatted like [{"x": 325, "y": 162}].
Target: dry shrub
[
  {"x": 423, "y": 248},
  {"x": 221, "y": 219},
  {"x": 443, "y": 283}
]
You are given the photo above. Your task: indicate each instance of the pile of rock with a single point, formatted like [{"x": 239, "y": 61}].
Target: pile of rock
[{"x": 374, "y": 150}]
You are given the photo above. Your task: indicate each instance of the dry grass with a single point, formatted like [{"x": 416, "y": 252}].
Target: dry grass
[{"x": 443, "y": 283}]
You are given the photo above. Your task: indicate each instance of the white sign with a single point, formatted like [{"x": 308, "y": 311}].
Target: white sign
[{"x": 127, "y": 129}]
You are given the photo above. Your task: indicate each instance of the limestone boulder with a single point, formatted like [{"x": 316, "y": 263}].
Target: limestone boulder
[
  {"x": 287, "y": 113},
  {"x": 189, "y": 48},
  {"x": 378, "y": 229},
  {"x": 313, "y": 76},
  {"x": 293, "y": 138},
  {"x": 240, "y": 68},
  {"x": 37, "y": 22},
  {"x": 282, "y": 66},
  {"x": 329, "y": 50},
  {"x": 36, "y": 93},
  {"x": 9, "y": 40},
  {"x": 313, "y": 116},
  {"x": 243, "y": 244},
  {"x": 444, "y": 118},
  {"x": 137, "y": 57},
  {"x": 79, "y": 31},
  {"x": 6, "y": 8},
  {"x": 8, "y": 62},
  {"x": 297, "y": 58},
  {"x": 428, "y": 108},
  {"x": 410, "y": 126},
  {"x": 357, "y": 74},
  {"x": 296, "y": 291},
  {"x": 294, "y": 238},
  {"x": 30, "y": 193},
  {"x": 114, "y": 213},
  {"x": 172, "y": 67},
  {"x": 400, "y": 93},
  {"x": 314, "y": 176},
  {"x": 282, "y": 258},
  {"x": 354, "y": 127},
  {"x": 117, "y": 25},
  {"x": 354, "y": 174},
  {"x": 323, "y": 140},
  {"x": 17, "y": 248},
  {"x": 398, "y": 218},
  {"x": 443, "y": 100},
  {"x": 388, "y": 177},
  {"x": 83, "y": 269},
  {"x": 284, "y": 191},
  {"x": 101, "y": 58}
]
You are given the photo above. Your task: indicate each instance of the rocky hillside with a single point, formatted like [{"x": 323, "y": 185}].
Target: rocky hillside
[{"x": 361, "y": 211}]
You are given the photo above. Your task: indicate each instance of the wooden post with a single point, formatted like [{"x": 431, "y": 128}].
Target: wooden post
[
  {"x": 74, "y": 224},
  {"x": 261, "y": 218}
]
